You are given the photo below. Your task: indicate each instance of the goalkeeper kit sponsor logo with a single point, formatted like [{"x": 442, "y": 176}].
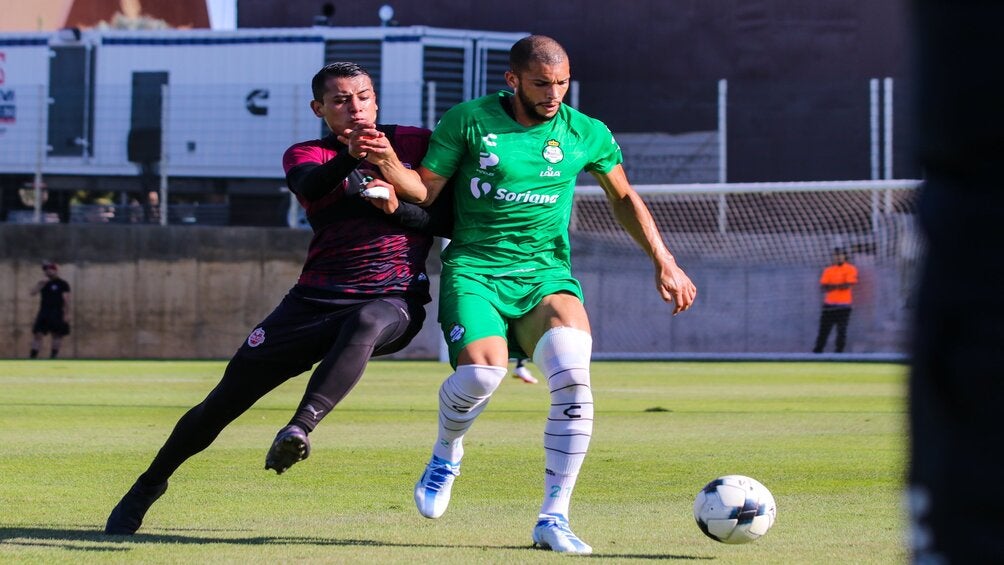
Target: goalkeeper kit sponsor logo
[
  {"x": 257, "y": 337},
  {"x": 480, "y": 188}
]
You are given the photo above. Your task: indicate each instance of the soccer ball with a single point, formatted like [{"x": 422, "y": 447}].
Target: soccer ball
[{"x": 734, "y": 509}]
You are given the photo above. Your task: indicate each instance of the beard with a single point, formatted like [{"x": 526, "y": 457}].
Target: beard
[{"x": 531, "y": 108}]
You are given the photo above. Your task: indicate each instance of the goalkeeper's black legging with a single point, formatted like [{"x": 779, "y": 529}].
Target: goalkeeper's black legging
[{"x": 341, "y": 334}]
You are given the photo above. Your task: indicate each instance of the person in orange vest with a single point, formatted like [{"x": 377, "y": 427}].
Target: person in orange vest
[{"x": 836, "y": 283}]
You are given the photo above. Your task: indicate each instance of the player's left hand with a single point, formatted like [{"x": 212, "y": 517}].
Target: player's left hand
[
  {"x": 389, "y": 204},
  {"x": 675, "y": 286}
]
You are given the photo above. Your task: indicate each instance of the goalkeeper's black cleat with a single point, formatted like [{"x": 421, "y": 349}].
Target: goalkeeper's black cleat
[
  {"x": 127, "y": 516},
  {"x": 290, "y": 445}
]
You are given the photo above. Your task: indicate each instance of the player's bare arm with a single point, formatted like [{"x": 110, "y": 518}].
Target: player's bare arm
[
  {"x": 433, "y": 185},
  {"x": 366, "y": 142},
  {"x": 420, "y": 186},
  {"x": 631, "y": 212}
]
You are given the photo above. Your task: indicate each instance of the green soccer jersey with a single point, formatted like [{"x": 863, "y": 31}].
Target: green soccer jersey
[{"x": 512, "y": 184}]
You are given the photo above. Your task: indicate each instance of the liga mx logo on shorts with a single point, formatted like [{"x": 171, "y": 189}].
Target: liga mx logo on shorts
[
  {"x": 257, "y": 337},
  {"x": 456, "y": 333}
]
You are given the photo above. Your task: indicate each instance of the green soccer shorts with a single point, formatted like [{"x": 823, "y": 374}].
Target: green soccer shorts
[{"x": 474, "y": 306}]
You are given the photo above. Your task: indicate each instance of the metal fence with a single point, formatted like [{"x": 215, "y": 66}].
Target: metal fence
[
  {"x": 177, "y": 214},
  {"x": 209, "y": 132}
]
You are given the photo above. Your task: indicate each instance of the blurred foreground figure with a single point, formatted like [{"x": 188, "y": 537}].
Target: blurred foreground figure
[{"x": 957, "y": 377}]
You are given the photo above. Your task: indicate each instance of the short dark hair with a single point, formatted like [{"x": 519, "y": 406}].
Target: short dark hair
[
  {"x": 340, "y": 69},
  {"x": 535, "y": 48}
]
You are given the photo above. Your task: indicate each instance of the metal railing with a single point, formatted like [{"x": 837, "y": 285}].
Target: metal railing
[{"x": 177, "y": 214}]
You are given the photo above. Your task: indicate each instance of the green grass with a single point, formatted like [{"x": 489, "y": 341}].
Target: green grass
[{"x": 828, "y": 439}]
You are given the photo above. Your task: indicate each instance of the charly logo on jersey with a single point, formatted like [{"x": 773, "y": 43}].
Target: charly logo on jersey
[
  {"x": 257, "y": 337},
  {"x": 487, "y": 158},
  {"x": 552, "y": 152},
  {"x": 457, "y": 332},
  {"x": 480, "y": 188}
]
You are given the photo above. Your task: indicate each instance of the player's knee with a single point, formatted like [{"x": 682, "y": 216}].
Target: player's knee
[
  {"x": 564, "y": 348},
  {"x": 375, "y": 318},
  {"x": 466, "y": 393},
  {"x": 477, "y": 380},
  {"x": 563, "y": 355}
]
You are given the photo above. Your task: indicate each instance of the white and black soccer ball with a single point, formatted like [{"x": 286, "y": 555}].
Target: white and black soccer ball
[{"x": 734, "y": 509}]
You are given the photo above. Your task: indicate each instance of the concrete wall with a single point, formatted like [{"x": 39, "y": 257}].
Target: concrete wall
[
  {"x": 191, "y": 292},
  {"x": 153, "y": 292},
  {"x": 739, "y": 308}
]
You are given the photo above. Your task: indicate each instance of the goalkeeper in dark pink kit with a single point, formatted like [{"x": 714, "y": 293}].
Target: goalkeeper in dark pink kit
[{"x": 362, "y": 291}]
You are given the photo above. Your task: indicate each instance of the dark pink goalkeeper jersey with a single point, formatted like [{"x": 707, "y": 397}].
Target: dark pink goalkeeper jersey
[{"x": 356, "y": 248}]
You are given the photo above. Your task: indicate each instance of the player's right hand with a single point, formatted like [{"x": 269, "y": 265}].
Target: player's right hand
[{"x": 675, "y": 286}]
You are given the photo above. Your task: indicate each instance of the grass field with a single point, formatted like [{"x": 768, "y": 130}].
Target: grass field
[{"x": 828, "y": 439}]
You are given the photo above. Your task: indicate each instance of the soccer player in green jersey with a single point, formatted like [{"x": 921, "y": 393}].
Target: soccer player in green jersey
[{"x": 511, "y": 160}]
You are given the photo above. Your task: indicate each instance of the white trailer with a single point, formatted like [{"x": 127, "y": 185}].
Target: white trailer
[{"x": 204, "y": 107}]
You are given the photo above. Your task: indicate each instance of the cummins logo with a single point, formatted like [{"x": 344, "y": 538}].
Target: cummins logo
[{"x": 257, "y": 102}]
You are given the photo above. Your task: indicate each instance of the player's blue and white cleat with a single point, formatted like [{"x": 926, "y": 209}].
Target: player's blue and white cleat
[
  {"x": 552, "y": 532},
  {"x": 432, "y": 492}
]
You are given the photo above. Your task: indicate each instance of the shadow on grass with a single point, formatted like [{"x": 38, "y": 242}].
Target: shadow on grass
[{"x": 70, "y": 538}]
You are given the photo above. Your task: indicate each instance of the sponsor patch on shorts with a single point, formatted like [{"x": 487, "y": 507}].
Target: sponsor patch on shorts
[
  {"x": 457, "y": 333},
  {"x": 257, "y": 337}
]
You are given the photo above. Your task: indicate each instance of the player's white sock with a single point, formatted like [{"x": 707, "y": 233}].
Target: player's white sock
[
  {"x": 462, "y": 397},
  {"x": 557, "y": 493},
  {"x": 563, "y": 355}
]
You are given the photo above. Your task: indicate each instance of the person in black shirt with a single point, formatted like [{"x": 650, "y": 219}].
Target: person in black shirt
[
  {"x": 361, "y": 293},
  {"x": 53, "y": 310}
]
